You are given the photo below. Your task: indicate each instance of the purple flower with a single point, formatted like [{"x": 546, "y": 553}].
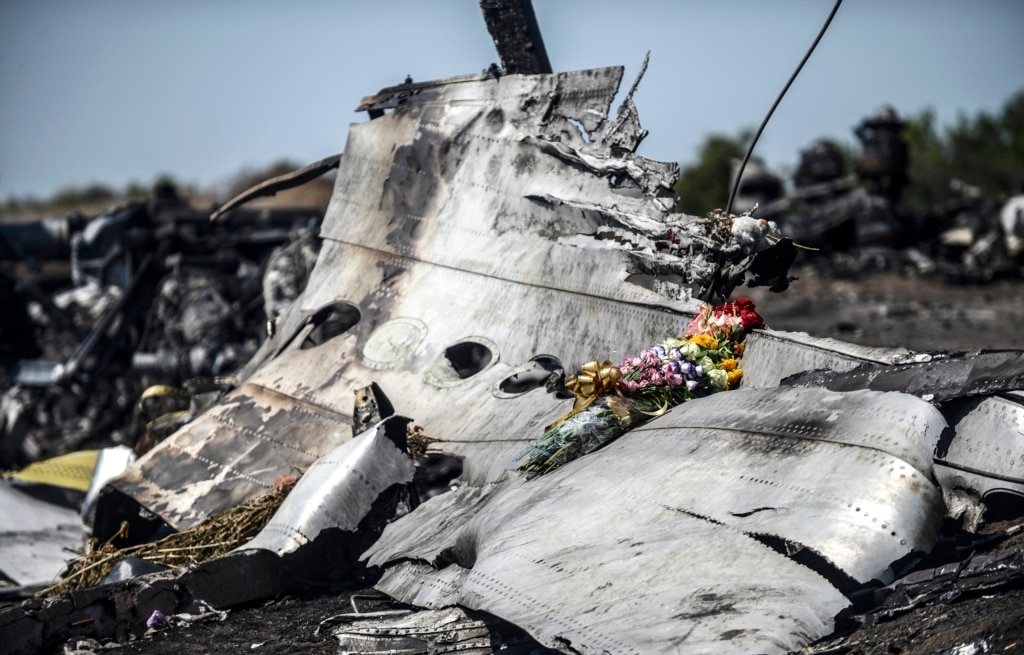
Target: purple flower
[
  {"x": 691, "y": 385},
  {"x": 156, "y": 620},
  {"x": 672, "y": 374},
  {"x": 659, "y": 351}
]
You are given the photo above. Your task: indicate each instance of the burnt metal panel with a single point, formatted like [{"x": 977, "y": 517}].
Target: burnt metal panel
[
  {"x": 507, "y": 214},
  {"x": 772, "y": 355},
  {"x": 513, "y": 26},
  {"x": 231, "y": 453},
  {"x": 673, "y": 518},
  {"x": 984, "y": 458},
  {"x": 339, "y": 489},
  {"x": 938, "y": 379}
]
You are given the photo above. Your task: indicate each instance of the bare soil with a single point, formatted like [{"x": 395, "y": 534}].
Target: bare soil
[{"x": 888, "y": 309}]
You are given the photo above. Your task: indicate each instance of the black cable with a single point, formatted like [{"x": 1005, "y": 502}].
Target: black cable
[{"x": 746, "y": 157}]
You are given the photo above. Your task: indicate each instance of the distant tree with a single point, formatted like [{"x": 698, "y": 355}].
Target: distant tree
[
  {"x": 91, "y": 195},
  {"x": 991, "y": 148},
  {"x": 704, "y": 186},
  {"x": 928, "y": 171},
  {"x": 250, "y": 177},
  {"x": 136, "y": 190},
  {"x": 985, "y": 151}
]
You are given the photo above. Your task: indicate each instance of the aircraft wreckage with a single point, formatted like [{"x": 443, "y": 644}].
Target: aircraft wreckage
[{"x": 488, "y": 234}]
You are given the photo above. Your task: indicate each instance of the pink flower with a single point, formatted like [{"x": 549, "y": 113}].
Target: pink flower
[
  {"x": 628, "y": 386},
  {"x": 649, "y": 358},
  {"x": 651, "y": 376},
  {"x": 629, "y": 364},
  {"x": 696, "y": 326}
]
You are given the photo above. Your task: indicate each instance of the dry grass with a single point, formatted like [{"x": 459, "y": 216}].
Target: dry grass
[{"x": 211, "y": 538}]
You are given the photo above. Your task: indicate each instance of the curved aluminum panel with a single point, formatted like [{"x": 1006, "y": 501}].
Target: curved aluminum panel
[
  {"x": 647, "y": 543},
  {"x": 338, "y": 490}
]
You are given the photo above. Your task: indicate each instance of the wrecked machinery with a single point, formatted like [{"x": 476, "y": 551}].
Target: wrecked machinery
[
  {"x": 853, "y": 218},
  {"x": 488, "y": 234},
  {"x": 149, "y": 293}
]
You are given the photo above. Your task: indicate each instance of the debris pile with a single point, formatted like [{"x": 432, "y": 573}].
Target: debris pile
[
  {"x": 487, "y": 235},
  {"x": 152, "y": 293},
  {"x": 853, "y": 216}
]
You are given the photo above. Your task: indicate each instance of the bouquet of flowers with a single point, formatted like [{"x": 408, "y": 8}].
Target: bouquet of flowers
[{"x": 611, "y": 399}]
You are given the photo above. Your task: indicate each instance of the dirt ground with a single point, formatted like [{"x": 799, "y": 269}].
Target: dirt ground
[
  {"x": 888, "y": 309},
  {"x": 879, "y": 310}
]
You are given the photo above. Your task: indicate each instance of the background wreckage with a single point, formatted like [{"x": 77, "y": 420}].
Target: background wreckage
[{"x": 486, "y": 234}]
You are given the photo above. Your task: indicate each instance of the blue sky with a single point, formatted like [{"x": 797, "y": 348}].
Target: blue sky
[{"x": 114, "y": 90}]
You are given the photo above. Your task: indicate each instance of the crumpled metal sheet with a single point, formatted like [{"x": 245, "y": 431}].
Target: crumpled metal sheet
[
  {"x": 576, "y": 598},
  {"x": 981, "y": 455},
  {"x": 657, "y": 541},
  {"x": 846, "y": 475},
  {"x": 231, "y": 453},
  {"x": 936, "y": 379},
  {"x": 339, "y": 489},
  {"x": 431, "y": 632},
  {"x": 476, "y": 218},
  {"x": 772, "y": 355},
  {"x": 36, "y": 538},
  {"x": 985, "y": 458}
]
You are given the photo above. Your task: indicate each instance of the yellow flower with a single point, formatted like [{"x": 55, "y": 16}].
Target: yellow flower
[
  {"x": 739, "y": 348},
  {"x": 705, "y": 341},
  {"x": 734, "y": 378},
  {"x": 729, "y": 364}
]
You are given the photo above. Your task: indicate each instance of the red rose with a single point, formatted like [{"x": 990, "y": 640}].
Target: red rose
[{"x": 750, "y": 319}]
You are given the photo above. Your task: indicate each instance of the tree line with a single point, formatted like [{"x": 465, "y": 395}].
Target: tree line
[
  {"x": 95, "y": 198},
  {"x": 985, "y": 150}
]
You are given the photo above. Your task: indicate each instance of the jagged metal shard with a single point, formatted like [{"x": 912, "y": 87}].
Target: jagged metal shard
[
  {"x": 483, "y": 222},
  {"x": 939, "y": 379},
  {"x": 663, "y": 540},
  {"x": 339, "y": 489}
]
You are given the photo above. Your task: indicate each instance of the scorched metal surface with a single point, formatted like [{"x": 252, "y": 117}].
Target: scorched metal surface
[{"x": 479, "y": 224}]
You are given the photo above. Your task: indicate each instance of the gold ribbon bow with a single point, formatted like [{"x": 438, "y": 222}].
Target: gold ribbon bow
[{"x": 596, "y": 379}]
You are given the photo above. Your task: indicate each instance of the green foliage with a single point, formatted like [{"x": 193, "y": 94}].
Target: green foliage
[
  {"x": 704, "y": 186},
  {"x": 928, "y": 172},
  {"x": 986, "y": 151}
]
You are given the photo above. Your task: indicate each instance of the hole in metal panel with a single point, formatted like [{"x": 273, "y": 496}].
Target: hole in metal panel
[
  {"x": 329, "y": 322},
  {"x": 461, "y": 361},
  {"x": 542, "y": 371}
]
